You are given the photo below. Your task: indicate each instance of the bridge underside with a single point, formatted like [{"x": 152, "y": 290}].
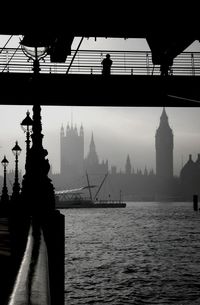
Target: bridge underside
[
  {"x": 96, "y": 90},
  {"x": 167, "y": 32}
]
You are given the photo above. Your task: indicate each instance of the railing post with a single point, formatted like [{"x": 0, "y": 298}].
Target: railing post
[
  {"x": 192, "y": 63},
  {"x": 7, "y": 61},
  {"x": 124, "y": 62},
  {"x": 147, "y": 63}
]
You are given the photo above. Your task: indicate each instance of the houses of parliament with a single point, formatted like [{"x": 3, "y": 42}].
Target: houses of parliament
[{"x": 160, "y": 185}]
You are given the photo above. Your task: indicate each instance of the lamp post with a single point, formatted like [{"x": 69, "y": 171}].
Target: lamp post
[
  {"x": 37, "y": 194},
  {"x": 16, "y": 186},
  {"x": 4, "y": 196},
  {"x": 37, "y": 189},
  {"x": 26, "y": 126}
]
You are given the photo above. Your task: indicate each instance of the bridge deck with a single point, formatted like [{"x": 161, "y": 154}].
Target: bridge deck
[
  {"x": 97, "y": 90},
  {"x": 134, "y": 81}
]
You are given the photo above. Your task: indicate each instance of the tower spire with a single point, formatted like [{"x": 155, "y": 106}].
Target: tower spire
[
  {"x": 81, "y": 130},
  {"x": 71, "y": 117},
  {"x": 62, "y": 131},
  {"x": 164, "y": 116},
  {"x": 92, "y": 155},
  {"x": 128, "y": 165}
]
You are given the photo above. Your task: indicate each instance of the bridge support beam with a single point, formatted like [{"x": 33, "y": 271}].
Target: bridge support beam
[{"x": 96, "y": 90}]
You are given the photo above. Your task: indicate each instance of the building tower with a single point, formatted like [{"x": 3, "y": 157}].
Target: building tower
[
  {"x": 92, "y": 164},
  {"x": 128, "y": 166},
  {"x": 92, "y": 160},
  {"x": 164, "y": 149},
  {"x": 72, "y": 154}
]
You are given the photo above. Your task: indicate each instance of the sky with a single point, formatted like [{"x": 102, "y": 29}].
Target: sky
[{"x": 118, "y": 131}]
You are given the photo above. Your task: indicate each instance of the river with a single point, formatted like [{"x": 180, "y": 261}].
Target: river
[{"x": 146, "y": 253}]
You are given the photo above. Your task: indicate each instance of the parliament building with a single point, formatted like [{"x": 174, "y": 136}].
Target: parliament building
[{"x": 139, "y": 185}]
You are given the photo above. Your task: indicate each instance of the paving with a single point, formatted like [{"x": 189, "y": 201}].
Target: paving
[{"x": 6, "y": 267}]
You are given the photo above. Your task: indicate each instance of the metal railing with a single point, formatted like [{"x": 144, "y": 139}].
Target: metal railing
[{"x": 89, "y": 62}]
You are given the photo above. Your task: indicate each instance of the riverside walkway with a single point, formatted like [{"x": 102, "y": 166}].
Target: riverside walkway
[
  {"x": 31, "y": 264},
  {"x": 7, "y": 277}
]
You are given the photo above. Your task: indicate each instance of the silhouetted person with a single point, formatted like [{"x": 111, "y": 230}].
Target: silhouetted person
[
  {"x": 165, "y": 67},
  {"x": 106, "y": 63}
]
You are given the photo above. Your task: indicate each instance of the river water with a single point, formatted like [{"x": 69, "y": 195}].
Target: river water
[{"x": 146, "y": 253}]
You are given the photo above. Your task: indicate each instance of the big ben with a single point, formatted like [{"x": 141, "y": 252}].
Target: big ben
[
  {"x": 164, "y": 148},
  {"x": 164, "y": 142}
]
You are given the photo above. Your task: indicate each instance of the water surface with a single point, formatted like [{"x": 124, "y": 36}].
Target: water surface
[{"x": 146, "y": 253}]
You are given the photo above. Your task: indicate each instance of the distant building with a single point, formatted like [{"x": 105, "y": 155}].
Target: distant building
[
  {"x": 73, "y": 164},
  {"x": 134, "y": 185},
  {"x": 190, "y": 178},
  {"x": 92, "y": 164},
  {"x": 128, "y": 166},
  {"x": 71, "y": 153},
  {"x": 164, "y": 144}
]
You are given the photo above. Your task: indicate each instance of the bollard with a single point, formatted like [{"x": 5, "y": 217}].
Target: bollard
[
  {"x": 195, "y": 202},
  {"x": 54, "y": 233}
]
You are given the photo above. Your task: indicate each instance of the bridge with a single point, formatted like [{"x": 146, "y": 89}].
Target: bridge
[
  {"x": 13, "y": 60},
  {"x": 130, "y": 73}
]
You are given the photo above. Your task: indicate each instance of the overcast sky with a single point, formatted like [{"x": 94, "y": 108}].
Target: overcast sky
[{"x": 117, "y": 131}]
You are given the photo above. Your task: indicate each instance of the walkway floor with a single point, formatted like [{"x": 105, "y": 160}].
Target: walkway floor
[
  {"x": 6, "y": 270},
  {"x": 4, "y": 238}
]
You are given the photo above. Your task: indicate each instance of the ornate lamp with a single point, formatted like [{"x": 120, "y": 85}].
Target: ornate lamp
[
  {"x": 16, "y": 187},
  {"x": 4, "y": 196},
  {"x": 26, "y": 126},
  {"x": 16, "y": 150},
  {"x": 33, "y": 48}
]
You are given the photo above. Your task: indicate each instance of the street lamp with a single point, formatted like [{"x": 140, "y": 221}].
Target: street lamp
[
  {"x": 26, "y": 126},
  {"x": 4, "y": 196},
  {"x": 36, "y": 181},
  {"x": 33, "y": 48},
  {"x": 16, "y": 187},
  {"x": 37, "y": 194}
]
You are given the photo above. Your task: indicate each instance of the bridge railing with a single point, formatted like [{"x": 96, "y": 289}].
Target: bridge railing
[{"x": 89, "y": 62}]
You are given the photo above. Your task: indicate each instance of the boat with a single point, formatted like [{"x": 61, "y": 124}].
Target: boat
[{"x": 75, "y": 198}]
